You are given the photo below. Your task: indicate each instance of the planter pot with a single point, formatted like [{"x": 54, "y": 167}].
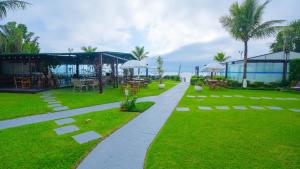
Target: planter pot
[
  {"x": 198, "y": 88},
  {"x": 161, "y": 86}
]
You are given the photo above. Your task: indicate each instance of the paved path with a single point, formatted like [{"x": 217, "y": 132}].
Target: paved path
[
  {"x": 62, "y": 114},
  {"x": 126, "y": 148}
]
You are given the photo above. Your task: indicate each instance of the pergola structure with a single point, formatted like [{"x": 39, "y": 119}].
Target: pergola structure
[{"x": 41, "y": 61}]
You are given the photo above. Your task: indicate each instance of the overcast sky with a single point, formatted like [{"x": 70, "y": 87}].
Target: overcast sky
[{"x": 181, "y": 30}]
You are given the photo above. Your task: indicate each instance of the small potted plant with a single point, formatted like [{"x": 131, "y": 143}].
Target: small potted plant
[
  {"x": 198, "y": 86},
  {"x": 160, "y": 72}
]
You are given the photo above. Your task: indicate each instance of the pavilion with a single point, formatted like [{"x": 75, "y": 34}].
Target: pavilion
[{"x": 36, "y": 66}]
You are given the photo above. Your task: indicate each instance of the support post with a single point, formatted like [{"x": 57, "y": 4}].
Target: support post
[
  {"x": 77, "y": 68},
  {"x": 29, "y": 64},
  {"x": 284, "y": 68},
  {"x": 117, "y": 73},
  {"x": 112, "y": 75},
  {"x": 99, "y": 63},
  {"x": 226, "y": 70}
]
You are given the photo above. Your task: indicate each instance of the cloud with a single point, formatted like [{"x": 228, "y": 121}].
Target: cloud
[{"x": 169, "y": 27}]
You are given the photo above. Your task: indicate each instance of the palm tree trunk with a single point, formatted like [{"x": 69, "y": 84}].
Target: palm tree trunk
[{"x": 245, "y": 64}]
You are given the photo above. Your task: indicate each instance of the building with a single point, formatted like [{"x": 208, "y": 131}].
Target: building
[{"x": 272, "y": 67}]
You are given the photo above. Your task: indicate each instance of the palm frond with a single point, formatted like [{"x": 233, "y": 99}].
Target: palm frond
[{"x": 11, "y": 5}]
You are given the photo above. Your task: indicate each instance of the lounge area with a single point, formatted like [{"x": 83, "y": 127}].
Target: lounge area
[{"x": 31, "y": 73}]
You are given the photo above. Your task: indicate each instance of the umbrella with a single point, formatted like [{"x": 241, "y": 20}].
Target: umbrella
[
  {"x": 213, "y": 67},
  {"x": 133, "y": 64}
]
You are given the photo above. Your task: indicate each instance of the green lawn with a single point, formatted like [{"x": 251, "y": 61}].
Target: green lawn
[
  {"x": 229, "y": 138},
  {"x": 37, "y": 145},
  {"x": 82, "y": 99},
  {"x": 15, "y": 105}
]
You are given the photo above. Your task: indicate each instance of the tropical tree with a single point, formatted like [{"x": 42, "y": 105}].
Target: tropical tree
[
  {"x": 220, "y": 57},
  {"x": 245, "y": 23},
  {"x": 140, "y": 54},
  {"x": 160, "y": 69},
  {"x": 288, "y": 39},
  {"x": 6, "y": 5},
  {"x": 89, "y": 49},
  {"x": 15, "y": 38}
]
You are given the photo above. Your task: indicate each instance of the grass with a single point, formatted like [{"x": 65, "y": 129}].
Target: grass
[
  {"x": 15, "y": 105},
  {"x": 83, "y": 99},
  {"x": 229, "y": 138},
  {"x": 37, "y": 145}
]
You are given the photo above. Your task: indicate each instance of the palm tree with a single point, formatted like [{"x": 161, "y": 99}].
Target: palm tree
[
  {"x": 140, "y": 54},
  {"x": 89, "y": 49},
  {"x": 245, "y": 23},
  {"x": 6, "y": 5},
  {"x": 220, "y": 57}
]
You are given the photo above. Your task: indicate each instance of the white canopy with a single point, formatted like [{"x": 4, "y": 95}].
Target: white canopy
[
  {"x": 213, "y": 67},
  {"x": 133, "y": 64}
]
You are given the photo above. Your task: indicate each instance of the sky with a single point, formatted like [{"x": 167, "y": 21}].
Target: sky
[{"x": 186, "y": 32}]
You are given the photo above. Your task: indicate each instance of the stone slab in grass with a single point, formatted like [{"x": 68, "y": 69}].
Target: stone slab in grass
[
  {"x": 189, "y": 96},
  {"x": 222, "y": 107},
  {"x": 200, "y": 100},
  {"x": 280, "y": 98},
  {"x": 295, "y": 110},
  {"x": 214, "y": 96},
  {"x": 257, "y": 107},
  {"x": 240, "y": 107},
  {"x": 227, "y": 96},
  {"x": 255, "y": 98},
  {"x": 53, "y": 102},
  {"x": 86, "y": 137},
  {"x": 204, "y": 108},
  {"x": 182, "y": 109},
  {"x": 64, "y": 121},
  {"x": 267, "y": 98},
  {"x": 60, "y": 108},
  {"x": 239, "y": 96},
  {"x": 50, "y": 100},
  {"x": 66, "y": 129},
  {"x": 202, "y": 96},
  {"x": 292, "y": 99},
  {"x": 274, "y": 108},
  {"x": 55, "y": 105}
]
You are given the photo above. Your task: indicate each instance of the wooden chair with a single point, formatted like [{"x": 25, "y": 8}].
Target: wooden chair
[
  {"x": 26, "y": 83},
  {"x": 18, "y": 82},
  {"x": 134, "y": 88},
  {"x": 94, "y": 84},
  {"x": 77, "y": 84}
]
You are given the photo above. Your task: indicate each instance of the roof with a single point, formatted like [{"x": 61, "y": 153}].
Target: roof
[
  {"x": 272, "y": 56},
  {"x": 69, "y": 57}
]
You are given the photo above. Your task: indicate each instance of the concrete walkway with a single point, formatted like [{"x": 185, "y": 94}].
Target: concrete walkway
[
  {"x": 62, "y": 114},
  {"x": 126, "y": 148}
]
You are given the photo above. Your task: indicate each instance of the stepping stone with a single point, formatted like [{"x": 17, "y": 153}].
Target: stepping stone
[
  {"x": 222, "y": 107},
  {"x": 86, "y": 137},
  {"x": 257, "y": 107},
  {"x": 240, "y": 96},
  {"x": 200, "y": 100},
  {"x": 202, "y": 96},
  {"x": 240, "y": 107},
  {"x": 61, "y": 108},
  {"x": 182, "y": 109},
  {"x": 50, "y": 100},
  {"x": 227, "y": 96},
  {"x": 54, "y": 102},
  {"x": 295, "y": 110},
  {"x": 292, "y": 99},
  {"x": 64, "y": 121},
  {"x": 279, "y": 98},
  {"x": 66, "y": 129},
  {"x": 255, "y": 98},
  {"x": 204, "y": 108},
  {"x": 267, "y": 98},
  {"x": 55, "y": 105},
  {"x": 214, "y": 96},
  {"x": 191, "y": 96},
  {"x": 274, "y": 108}
]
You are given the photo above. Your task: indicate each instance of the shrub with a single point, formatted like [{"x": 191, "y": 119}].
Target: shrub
[
  {"x": 219, "y": 77},
  {"x": 233, "y": 83},
  {"x": 257, "y": 84},
  {"x": 172, "y": 77},
  {"x": 197, "y": 80},
  {"x": 294, "y": 70},
  {"x": 129, "y": 104}
]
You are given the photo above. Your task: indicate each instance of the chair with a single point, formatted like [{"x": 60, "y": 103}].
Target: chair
[
  {"x": 297, "y": 87},
  {"x": 26, "y": 83},
  {"x": 77, "y": 84},
  {"x": 18, "y": 82},
  {"x": 94, "y": 84},
  {"x": 134, "y": 88}
]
